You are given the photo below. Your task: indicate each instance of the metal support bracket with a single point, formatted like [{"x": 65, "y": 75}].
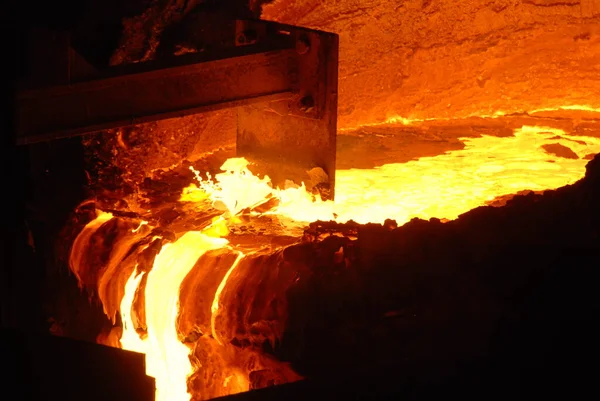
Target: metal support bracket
[{"x": 295, "y": 137}]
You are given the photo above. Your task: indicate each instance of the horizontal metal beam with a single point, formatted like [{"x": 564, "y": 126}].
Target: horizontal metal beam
[
  {"x": 285, "y": 77},
  {"x": 152, "y": 91}
]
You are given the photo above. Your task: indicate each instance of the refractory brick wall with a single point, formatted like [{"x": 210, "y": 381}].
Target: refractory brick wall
[{"x": 454, "y": 58}]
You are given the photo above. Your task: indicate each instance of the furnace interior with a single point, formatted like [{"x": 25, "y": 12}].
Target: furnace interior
[{"x": 417, "y": 80}]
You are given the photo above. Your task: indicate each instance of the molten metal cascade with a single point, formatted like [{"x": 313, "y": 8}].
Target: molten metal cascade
[
  {"x": 214, "y": 308},
  {"x": 443, "y": 186},
  {"x": 168, "y": 359}
]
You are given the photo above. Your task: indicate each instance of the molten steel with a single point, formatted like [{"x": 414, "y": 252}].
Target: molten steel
[{"x": 443, "y": 186}]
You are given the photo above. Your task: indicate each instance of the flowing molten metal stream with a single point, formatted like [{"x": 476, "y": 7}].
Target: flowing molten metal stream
[
  {"x": 168, "y": 362},
  {"x": 443, "y": 186}
]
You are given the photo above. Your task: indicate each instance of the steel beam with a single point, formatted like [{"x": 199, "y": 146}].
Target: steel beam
[
  {"x": 282, "y": 79},
  {"x": 143, "y": 93}
]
